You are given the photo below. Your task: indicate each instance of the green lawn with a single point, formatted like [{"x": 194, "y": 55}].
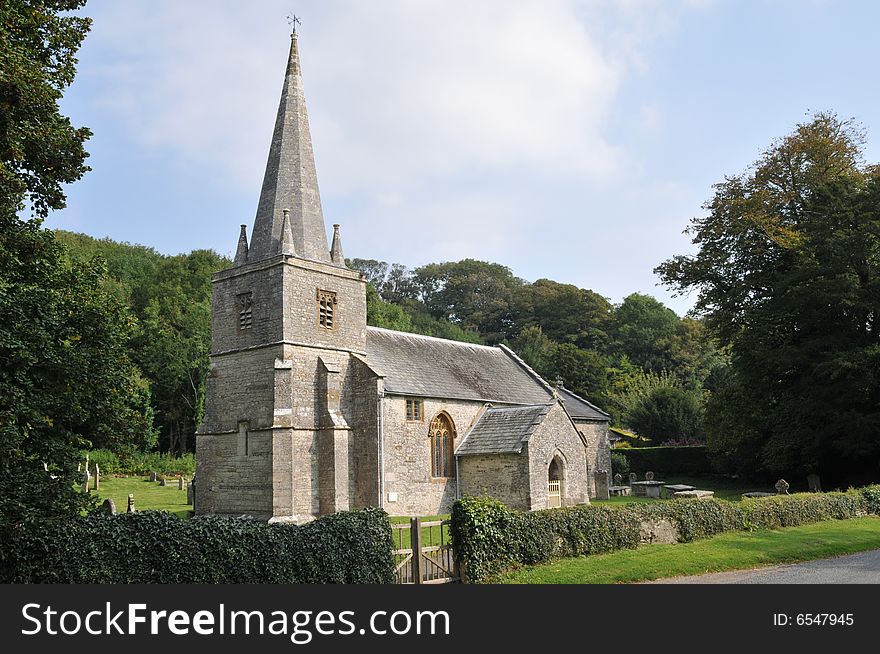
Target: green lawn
[
  {"x": 430, "y": 535},
  {"x": 731, "y": 551},
  {"x": 147, "y": 494}
]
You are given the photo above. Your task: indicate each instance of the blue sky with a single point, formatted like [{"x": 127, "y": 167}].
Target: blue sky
[{"x": 572, "y": 140}]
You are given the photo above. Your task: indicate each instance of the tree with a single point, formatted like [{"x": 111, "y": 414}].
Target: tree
[
  {"x": 645, "y": 332},
  {"x": 788, "y": 277},
  {"x": 472, "y": 294},
  {"x": 565, "y": 313},
  {"x": 65, "y": 379},
  {"x": 39, "y": 149}
]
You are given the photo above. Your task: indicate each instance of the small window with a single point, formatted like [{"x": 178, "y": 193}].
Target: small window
[
  {"x": 245, "y": 311},
  {"x": 326, "y": 309},
  {"x": 414, "y": 410}
]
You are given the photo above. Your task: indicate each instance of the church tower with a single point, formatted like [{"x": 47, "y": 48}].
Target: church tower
[{"x": 287, "y": 318}]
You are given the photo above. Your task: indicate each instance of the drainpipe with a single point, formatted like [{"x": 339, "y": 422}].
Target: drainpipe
[
  {"x": 380, "y": 410},
  {"x": 457, "y": 480}
]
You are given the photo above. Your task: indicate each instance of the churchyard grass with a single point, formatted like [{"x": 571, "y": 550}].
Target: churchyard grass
[
  {"x": 730, "y": 551},
  {"x": 147, "y": 494},
  {"x": 430, "y": 535}
]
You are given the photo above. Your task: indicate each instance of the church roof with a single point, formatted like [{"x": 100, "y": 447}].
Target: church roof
[
  {"x": 434, "y": 367},
  {"x": 578, "y": 408},
  {"x": 502, "y": 430},
  {"x": 290, "y": 182}
]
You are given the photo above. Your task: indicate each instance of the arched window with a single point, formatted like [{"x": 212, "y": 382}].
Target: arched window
[{"x": 441, "y": 436}]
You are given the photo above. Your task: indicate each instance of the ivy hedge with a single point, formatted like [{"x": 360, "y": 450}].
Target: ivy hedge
[
  {"x": 352, "y": 547},
  {"x": 685, "y": 459},
  {"x": 489, "y": 537}
]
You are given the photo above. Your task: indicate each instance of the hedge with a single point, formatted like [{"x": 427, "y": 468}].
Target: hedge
[
  {"x": 157, "y": 547},
  {"x": 689, "y": 460},
  {"x": 489, "y": 537}
]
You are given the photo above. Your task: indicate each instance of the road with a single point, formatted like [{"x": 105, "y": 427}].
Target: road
[{"x": 862, "y": 568}]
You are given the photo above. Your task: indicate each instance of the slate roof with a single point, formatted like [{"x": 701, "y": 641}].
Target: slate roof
[
  {"x": 502, "y": 430},
  {"x": 578, "y": 408},
  {"x": 424, "y": 366}
]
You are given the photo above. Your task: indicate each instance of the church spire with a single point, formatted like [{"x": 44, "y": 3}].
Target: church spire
[{"x": 290, "y": 180}]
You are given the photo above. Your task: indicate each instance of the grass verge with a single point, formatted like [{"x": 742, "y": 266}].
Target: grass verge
[{"x": 731, "y": 551}]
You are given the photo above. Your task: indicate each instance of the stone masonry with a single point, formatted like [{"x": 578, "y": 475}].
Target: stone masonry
[{"x": 306, "y": 407}]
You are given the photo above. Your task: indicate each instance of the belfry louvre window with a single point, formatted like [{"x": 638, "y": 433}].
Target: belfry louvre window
[
  {"x": 414, "y": 410},
  {"x": 441, "y": 435},
  {"x": 326, "y": 309},
  {"x": 245, "y": 311}
]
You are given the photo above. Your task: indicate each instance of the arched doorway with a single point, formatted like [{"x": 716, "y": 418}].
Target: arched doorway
[{"x": 555, "y": 482}]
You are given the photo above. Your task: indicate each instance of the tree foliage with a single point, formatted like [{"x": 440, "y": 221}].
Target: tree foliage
[{"x": 788, "y": 276}]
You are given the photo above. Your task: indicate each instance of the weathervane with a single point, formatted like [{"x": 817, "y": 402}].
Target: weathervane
[{"x": 293, "y": 20}]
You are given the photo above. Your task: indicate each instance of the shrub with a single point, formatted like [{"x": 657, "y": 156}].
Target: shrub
[
  {"x": 134, "y": 462},
  {"x": 695, "y": 519},
  {"x": 872, "y": 498},
  {"x": 801, "y": 509},
  {"x": 157, "y": 547},
  {"x": 619, "y": 463},
  {"x": 490, "y": 537}
]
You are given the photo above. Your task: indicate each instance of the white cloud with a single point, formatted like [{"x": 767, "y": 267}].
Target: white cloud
[{"x": 398, "y": 91}]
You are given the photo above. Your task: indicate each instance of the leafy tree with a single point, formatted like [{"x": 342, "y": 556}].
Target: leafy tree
[
  {"x": 474, "y": 295},
  {"x": 787, "y": 275},
  {"x": 667, "y": 413},
  {"x": 66, "y": 381},
  {"x": 645, "y": 332},
  {"x": 65, "y": 378},
  {"x": 565, "y": 313}
]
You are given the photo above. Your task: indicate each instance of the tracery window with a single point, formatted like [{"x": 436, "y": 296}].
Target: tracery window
[
  {"x": 326, "y": 309},
  {"x": 441, "y": 434}
]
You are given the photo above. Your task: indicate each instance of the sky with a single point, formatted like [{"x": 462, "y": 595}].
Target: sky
[{"x": 568, "y": 139}]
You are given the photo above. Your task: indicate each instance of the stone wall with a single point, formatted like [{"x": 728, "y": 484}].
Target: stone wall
[
  {"x": 598, "y": 450},
  {"x": 409, "y": 487},
  {"x": 364, "y": 446},
  {"x": 557, "y": 435},
  {"x": 502, "y": 476},
  {"x": 234, "y": 475}
]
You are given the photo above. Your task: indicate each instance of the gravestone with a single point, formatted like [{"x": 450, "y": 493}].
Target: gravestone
[
  {"x": 633, "y": 477},
  {"x": 618, "y": 479},
  {"x": 131, "y": 503},
  {"x": 782, "y": 487},
  {"x": 813, "y": 483},
  {"x": 97, "y": 485},
  {"x": 189, "y": 493},
  {"x": 181, "y": 484},
  {"x": 108, "y": 506},
  {"x": 164, "y": 482},
  {"x": 152, "y": 475},
  {"x": 85, "y": 484},
  {"x": 649, "y": 476},
  {"x": 602, "y": 484}
]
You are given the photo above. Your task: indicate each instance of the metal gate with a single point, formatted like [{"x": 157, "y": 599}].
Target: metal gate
[{"x": 423, "y": 553}]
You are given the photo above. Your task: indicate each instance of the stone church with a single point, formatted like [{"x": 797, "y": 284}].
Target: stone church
[{"x": 310, "y": 411}]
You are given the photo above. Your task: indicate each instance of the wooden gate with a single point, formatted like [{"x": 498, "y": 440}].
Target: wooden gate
[
  {"x": 554, "y": 494},
  {"x": 423, "y": 553}
]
